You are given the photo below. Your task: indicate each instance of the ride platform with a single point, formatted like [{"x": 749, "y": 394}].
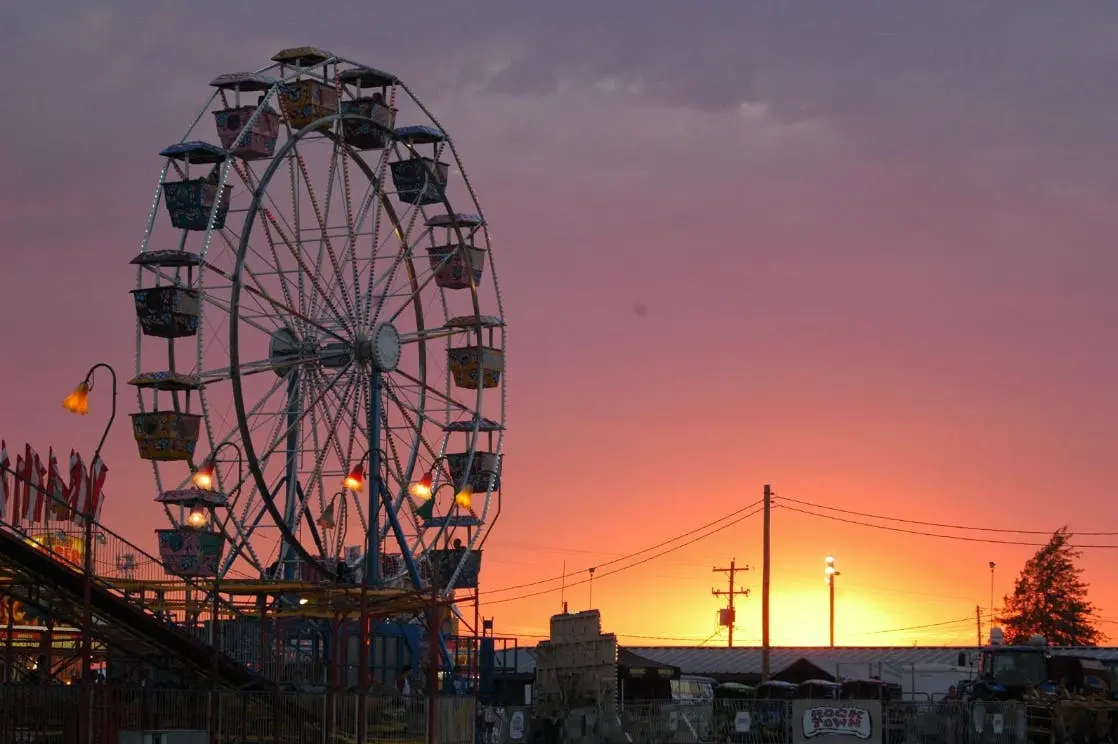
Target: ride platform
[{"x": 312, "y": 600}]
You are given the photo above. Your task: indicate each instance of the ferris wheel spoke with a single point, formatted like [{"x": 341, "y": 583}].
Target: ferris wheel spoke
[
  {"x": 349, "y": 402},
  {"x": 390, "y": 441},
  {"x": 325, "y": 230},
  {"x": 418, "y": 284},
  {"x": 244, "y": 170},
  {"x": 246, "y": 369},
  {"x": 359, "y": 269},
  {"x": 324, "y": 240},
  {"x": 281, "y": 306},
  {"x": 292, "y": 239},
  {"x": 301, "y": 417},
  {"x": 355, "y": 221},
  {"x": 231, "y": 240},
  {"x": 402, "y": 256},
  {"x": 424, "y": 387},
  {"x": 238, "y": 536},
  {"x": 413, "y": 424},
  {"x": 332, "y": 424},
  {"x": 431, "y": 335}
]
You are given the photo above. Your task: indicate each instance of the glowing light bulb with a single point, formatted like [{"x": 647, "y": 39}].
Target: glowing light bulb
[
  {"x": 422, "y": 487},
  {"x": 204, "y": 476},
  {"x": 465, "y": 497},
  {"x": 197, "y": 518},
  {"x": 78, "y": 401},
  {"x": 355, "y": 480}
]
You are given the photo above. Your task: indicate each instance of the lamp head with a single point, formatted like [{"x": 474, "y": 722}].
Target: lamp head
[
  {"x": 198, "y": 517},
  {"x": 355, "y": 479},
  {"x": 422, "y": 487},
  {"x": 204, "y": 476},
  {"x": 465, "y": 497},
  {"x": 78, "y": 401}
]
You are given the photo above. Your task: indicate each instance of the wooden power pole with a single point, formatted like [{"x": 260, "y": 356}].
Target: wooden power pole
[
  {"x": 730, "y": 594},
  {"x": 766, "y": 569},
  {"x": 978, "y": 619}
]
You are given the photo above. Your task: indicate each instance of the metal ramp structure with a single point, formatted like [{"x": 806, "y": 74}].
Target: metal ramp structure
[{"x": 56, "y": 587}]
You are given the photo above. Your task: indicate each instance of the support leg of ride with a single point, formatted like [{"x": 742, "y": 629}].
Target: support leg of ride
[{"x": 434, "y": 627}]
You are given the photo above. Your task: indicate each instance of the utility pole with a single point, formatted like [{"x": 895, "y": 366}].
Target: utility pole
[
  {"x": 978, "y": 619},
  {"x": 730, "y": 594},
  {"x": 766, "y": 569},
  {"x": 992, "y": 567}
]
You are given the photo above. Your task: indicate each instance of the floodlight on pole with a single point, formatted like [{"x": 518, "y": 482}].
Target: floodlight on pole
[{"x": 829, "y": 574}]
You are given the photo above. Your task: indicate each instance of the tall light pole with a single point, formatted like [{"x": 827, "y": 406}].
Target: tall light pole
[
  {"x": 78, "y": 402},
  {"x": 829, "y": 574},
  {"x": 992, "y": 567}
]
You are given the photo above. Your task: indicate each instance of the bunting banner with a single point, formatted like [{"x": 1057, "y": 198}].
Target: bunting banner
[{"x": 34, "y": 491}]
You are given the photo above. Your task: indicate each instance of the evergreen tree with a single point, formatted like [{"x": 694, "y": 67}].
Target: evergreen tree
[{"x": 1050, "y": 599}]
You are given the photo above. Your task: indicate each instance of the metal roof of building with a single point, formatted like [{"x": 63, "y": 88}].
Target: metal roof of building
[
  {"x": 707, "y": 660},
  {"x": 844, "y": 660}
]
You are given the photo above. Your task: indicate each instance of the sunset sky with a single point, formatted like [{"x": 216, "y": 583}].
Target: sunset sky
[{"x": 873, "y": 240}]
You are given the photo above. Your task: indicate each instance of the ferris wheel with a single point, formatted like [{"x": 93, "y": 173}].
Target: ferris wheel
[{"x": 320, "y": 339}]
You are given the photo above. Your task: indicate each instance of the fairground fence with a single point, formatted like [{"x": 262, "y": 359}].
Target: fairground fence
[
  {"x": 807, "y": 722},
  {"x": 50, "y": 714}
]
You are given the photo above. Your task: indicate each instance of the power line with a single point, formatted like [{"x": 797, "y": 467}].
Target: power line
[
  {"x": 917, "y": 627},
  {"x": 939, "y": 524},
  {"x": 620, "y": 559},
  {"x": 641, "y": 562},
  {"x": 636, "y": 636},
  {"x": 964, "y": 538}
]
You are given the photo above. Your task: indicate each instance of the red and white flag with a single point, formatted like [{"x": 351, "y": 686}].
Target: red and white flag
[
  {"x": 17, "y": 491},
  {"x": 38, "y": 497},
  {"x": 98, "y": 472},
  {"x": 77, "y": 482},
  {"x": 57, "y": 505},
  {"x": 25, "y": 470},
  {"x": 79, "y": 490},
  {"x": 4, "y": 465}
]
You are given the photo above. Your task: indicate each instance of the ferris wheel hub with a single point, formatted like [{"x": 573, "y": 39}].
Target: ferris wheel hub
[{"x": 383, "y": 347}]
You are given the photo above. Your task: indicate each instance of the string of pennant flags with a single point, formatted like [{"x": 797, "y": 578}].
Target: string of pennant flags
[{"x": 33, "y": 491}]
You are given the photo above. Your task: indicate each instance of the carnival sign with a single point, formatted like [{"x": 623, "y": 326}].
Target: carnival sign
[
  {"x": 854, "y": 719},
  {"x": 34, "y": 491}
]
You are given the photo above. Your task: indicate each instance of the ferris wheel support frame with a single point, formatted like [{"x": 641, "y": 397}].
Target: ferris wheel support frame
[
  {"x": 372, "y": 536},
  {"x": 291, "y": 466}
]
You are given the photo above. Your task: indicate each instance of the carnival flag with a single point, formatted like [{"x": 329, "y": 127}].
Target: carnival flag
[
  {"x": 37, "y": 496},
  {"x": 57, "y": 505},
  {"x": 17, "y": 490},
  {"x": 79, "y": 496},
  {"x": 4, "y": 464},
  {"x": 25, "y": 482},
  {"x": 77, "y": 482},
  {"x": 99, "y": 472}
]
